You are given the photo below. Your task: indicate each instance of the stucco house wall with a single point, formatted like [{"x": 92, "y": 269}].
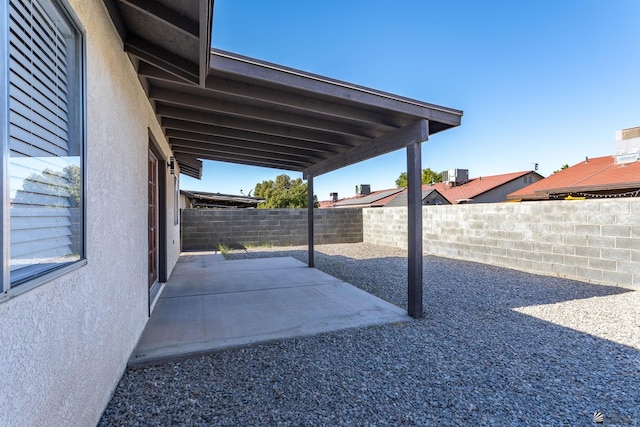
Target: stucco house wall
[{"x": 65, "y": 344}]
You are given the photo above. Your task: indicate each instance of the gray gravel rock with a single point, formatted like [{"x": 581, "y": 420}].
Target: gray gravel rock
[{"x": 497, "y": 347}]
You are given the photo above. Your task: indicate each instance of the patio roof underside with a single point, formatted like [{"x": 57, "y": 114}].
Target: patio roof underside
[{"x": 216, "y": 105}]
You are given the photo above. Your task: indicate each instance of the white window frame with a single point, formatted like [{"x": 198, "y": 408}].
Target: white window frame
[{"x": 64, "y": 11}]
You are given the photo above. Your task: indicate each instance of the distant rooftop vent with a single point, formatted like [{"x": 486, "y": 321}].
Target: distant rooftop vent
[
  {"x": 363, "y": 189},
  {"x": 334, "y": 197},
  {"x": 628, "y": 145},
  {"x": 455, "y": 176}
]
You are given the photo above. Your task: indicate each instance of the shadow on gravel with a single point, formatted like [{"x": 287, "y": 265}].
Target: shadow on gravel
[
  {"x": 472, "y": 360},
  {"x": 441, "y": 276},
  {"x": 487, "y": 352}
]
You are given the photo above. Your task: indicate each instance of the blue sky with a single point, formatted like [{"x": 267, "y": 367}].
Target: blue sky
[{"x": 545, "y": 81}]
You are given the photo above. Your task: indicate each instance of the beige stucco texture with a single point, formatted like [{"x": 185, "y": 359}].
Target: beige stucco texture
[{"x": 65, "y": 344}]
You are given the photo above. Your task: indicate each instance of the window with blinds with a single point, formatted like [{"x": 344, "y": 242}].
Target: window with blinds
[{"x": 44, "y": 168}]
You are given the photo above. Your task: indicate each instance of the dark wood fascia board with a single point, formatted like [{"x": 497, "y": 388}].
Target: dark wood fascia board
[
  {"x": 188, "y": 160},
  {"x": 198, "y": 116},
  {"x": 206, "y": 20},
  {"x": 400, "y": 138},
  {"x": 250, "y": 112},
  {"x": 193, "y": 173},
  {"x": 167, "y": 16},
  {"x": 211, "y": 130},
  {"x": 162, "y": 59},
  {"x": 253, "y": 69},
  {"x": 189, "y": 165}
]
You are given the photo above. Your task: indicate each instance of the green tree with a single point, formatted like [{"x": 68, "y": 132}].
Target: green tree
[
  {"x": 284, "y": 192},
  {"x": 402, "y": 181},
  {"x": 428, "y": 176},
  {"x": 563, "y": 167}
]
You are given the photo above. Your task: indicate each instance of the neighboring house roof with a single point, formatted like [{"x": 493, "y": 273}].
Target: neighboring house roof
[
  {"x": 597, "y": 177},
  {"x": 373, "y": 199},
  {"x": 474, "y": 187},
  {"x": 325, "y": 204},
  {"x": 201, "y": 199},
  {"x": 427, "y": 192},
  {"x": 450, "y": 194}
]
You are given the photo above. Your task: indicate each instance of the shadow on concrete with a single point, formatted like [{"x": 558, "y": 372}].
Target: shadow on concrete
[{"x": 210, "y": 304}]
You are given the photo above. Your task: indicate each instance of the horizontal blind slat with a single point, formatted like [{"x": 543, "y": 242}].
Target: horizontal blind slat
[
  {"x": 19, "y": 236},
  {"x": 47, "y": 70},
  {"x": 42, "y": 248},
  {"x": 54, "y": 113},
  {"x": 32, "y": 145},
  {"x": 44, "y": 228}
]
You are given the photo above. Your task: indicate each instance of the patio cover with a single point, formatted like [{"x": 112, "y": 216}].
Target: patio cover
[{"x": 216, "y": 105}]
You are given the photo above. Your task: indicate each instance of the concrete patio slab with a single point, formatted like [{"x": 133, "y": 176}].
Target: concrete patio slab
[
  {"x": 250, "y": 280},
  {"x": 210, "y": 304}
]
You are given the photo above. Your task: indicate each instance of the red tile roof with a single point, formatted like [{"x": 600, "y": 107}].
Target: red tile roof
[
  {"x": 474, "y": 187},
  {"x": 592, "y": 175},
  {"x": 325, "y": 203}
]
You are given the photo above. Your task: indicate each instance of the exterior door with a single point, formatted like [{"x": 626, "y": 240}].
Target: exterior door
[{"x": 153, "y": 219}]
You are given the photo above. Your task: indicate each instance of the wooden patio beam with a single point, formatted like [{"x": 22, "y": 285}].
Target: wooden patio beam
[
  {"x": 158, "y": 11},
  {"x": 150, "y": 71},
  {"x": 245, "y": 124},
  {"x": 252, "y": 92},
  {"x": 241, "y": 146},
  {"x": 251, "y": 112},
  {"x": 212, "y": 130},
  {"x": 417, "y": 131},
  {"x": 310, "y": 226},
  {"x": 239, "y": 159},
  {"x": 200, "y": 149},
  {"x": 161, "y": 58},
  {"x": 414, "y": 227}
]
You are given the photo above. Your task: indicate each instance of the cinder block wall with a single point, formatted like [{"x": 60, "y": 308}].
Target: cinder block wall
[
  {"x": 592, "y": 240},
  {"x": 205, "y": 229}
]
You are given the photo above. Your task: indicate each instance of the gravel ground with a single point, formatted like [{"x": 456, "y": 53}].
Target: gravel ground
[{"x": 496, "y": 348}]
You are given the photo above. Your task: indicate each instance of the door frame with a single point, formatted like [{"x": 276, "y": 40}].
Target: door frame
[
  {"x": 162, "y": 219},
  {"x": 153, "y": 244}
]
